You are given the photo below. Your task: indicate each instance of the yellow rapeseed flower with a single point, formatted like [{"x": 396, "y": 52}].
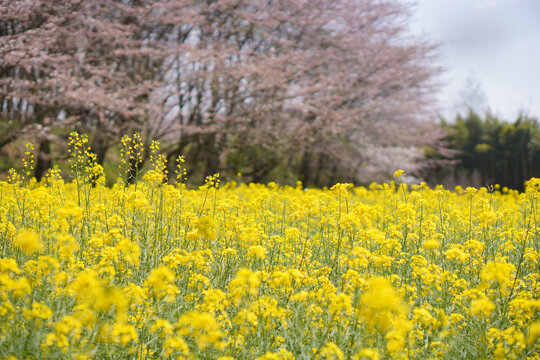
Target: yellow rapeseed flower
[
  {"x": 123, "y": 333},
  {"x": 153, "y": 270},
  {"x": 38, "y": 311},
  {"x": 162, "y": 327},
  {"x": 159, "y": 278},
  {"x": 431, "y": 244},
  {"x": 245, "y": 280},
  {"x": 498, "y": 271},
  {"x": 371, "y": 354},
  {"x": 482, "y": 306},
  {"x": 175, "y": 344},
  {"x": 257, "y": 252},
  {"x": 203, "y": 327},
  {"x": 206, "y": 227},
  {"x": 381, "y": 304},
  {"x": 28, "y": 241},
  {"x": 534, "y": 334},
  {"x": 331, "y": 351}
]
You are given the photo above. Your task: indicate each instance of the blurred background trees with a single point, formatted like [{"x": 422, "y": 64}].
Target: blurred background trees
[
  {"x": 316, "y": 90},
  {"x": 90, "y": 66},
  {"x": 273, "y": 89},
  {"x": 490, "y": 151}
]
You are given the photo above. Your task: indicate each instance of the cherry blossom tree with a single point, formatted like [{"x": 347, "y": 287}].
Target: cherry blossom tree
[
  {"x": 311, "y": 86},
  {"x": 88, "y": 65}
]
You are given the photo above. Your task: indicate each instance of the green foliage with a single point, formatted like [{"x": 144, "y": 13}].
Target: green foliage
[{"x": 496, "y": 151}]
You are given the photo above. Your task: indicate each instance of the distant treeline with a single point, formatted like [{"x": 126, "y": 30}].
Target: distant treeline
[
  {"x": 489, "y": 151},
  {"x": 477, "y": 150}
]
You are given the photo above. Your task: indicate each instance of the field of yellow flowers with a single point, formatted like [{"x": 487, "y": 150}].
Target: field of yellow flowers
[{"x": 244, "y": 271}]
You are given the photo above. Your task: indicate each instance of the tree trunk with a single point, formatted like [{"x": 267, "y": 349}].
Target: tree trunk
[
  {"x": 211, "y": 154},
  {"x": 43, "y": 160},
  {"x": 305, "y": 169},
  {"x": 99, "y": 147}
]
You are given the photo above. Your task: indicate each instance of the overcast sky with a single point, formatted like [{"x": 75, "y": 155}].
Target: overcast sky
[{"x": 494, "y": 43}]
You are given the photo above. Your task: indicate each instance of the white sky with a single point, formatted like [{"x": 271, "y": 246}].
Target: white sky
[{"x": 496, "y": 43}]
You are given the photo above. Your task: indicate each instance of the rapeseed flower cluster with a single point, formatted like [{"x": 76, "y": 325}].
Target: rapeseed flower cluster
[{"x": 149, "y": 270}]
